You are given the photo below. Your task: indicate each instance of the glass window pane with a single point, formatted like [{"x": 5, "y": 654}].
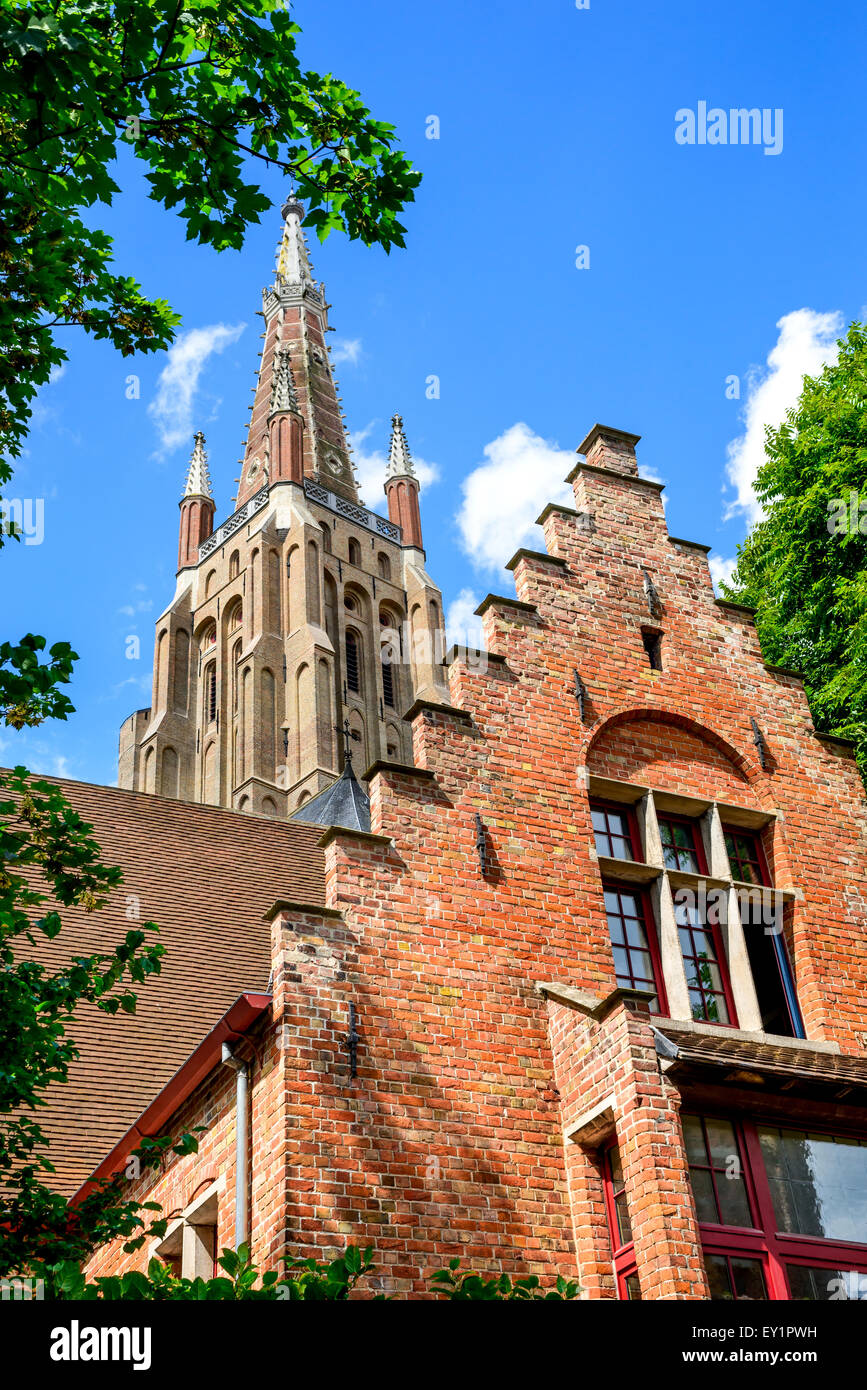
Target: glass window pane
[
  {"x": 620, "y": 848},
  {"x": 818, "y": 1183},
  {"x": 693, "y": 1135},
  {"x": 733, "y": 1277},
  {"x": 734, "y": 1207},
  {"x": 632, "y": 1286},
  {"x": 702, "y": 1191},
  {"x": 717, "y": 1267},
  {"x": 641, "y": 965},
  {"x": 812, "y": 1284},
  {"x": 621, "y": 963},
  {"x": 723, "y": 1145},
  {"x": 635, "y": 933}
]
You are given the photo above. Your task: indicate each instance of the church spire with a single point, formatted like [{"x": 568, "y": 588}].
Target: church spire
[
  {"x": 293, "y": 260},
  {"x": 198, "y": 482},
  {"x": 400, "y": 463},
  {"x": 197, "y": 506},
  {"x": 402, "y": 486},
  {"x": 295, "y": 381}
]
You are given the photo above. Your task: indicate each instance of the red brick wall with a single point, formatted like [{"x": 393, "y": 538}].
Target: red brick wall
[{"x": 450, "y": 1140}]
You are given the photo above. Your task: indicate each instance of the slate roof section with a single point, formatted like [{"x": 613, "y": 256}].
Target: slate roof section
[
  {"x": 207, "y": 876},
  {"x": 345, "y": 803}
]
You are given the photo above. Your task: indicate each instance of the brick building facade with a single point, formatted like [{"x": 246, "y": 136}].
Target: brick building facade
[{"x": 581, "y": 992}]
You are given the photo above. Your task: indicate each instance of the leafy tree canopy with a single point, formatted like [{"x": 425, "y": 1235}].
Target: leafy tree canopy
[
  {"x": 804, "y": 565},
  {"x": 201, "y": 91}
]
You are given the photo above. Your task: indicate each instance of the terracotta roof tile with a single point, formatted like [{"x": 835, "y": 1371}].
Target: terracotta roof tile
[{"x": 206, "y": 875}]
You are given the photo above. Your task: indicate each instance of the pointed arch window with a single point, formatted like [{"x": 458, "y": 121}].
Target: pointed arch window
[
  {"x": 353, "y": 662},
  {"x": 234, "y": 564},
  {"x": 354, "y": 552}
]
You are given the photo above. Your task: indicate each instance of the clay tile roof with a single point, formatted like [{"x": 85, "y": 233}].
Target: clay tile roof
[
  {"x": 781, "y": 1065},
  {"x": 206, "y": 875}
]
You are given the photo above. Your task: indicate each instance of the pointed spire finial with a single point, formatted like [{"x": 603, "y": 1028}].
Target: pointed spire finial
[
  {"x": 198, "y": 476},
  {"x": 283, "y": 395},
  {"x": 293, "y": 262},
  {"x": 400, "y": 463}
]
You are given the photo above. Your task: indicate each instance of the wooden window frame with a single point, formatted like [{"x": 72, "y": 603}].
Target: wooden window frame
[
  {"x": 712, "y": 929},
  {"x": 781, "y": 951},
  {"x": 640, "y": 892},
  {"x": 762, "y": 1241},
  {"x": 623, "y": 1256},
  {"x": 621, "y": 808},
  {"x": 675, "y": 818}
]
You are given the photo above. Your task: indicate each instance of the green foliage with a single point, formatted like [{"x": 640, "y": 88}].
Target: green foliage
[
  {"x": 45, "y": 844},
  {"x": 804, "y": 566},
  {"x": 310, "y": 1281},
  {"x": 468, "y": 1287},
  {"x": 202, "y": 91}
]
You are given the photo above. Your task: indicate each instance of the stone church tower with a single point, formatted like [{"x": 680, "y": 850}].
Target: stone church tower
[{"x": 303, "y": 613}]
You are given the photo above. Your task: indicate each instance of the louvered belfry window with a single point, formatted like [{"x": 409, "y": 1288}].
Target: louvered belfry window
[{"x": 353, "y": 665}]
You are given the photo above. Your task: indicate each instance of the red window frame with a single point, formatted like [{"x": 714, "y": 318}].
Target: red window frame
[
  {"x": 620, "y": 808},
  {"x": 641, "y": 896},
  {"x": 762, "y": 1241},
  {"x": 623, "y": 1255},
  {"x": 670, "y": 817},
  {"x": 784, "y": 963},
  {"x": 757, "y": 858},
  {"x": 712, "y": 930}
]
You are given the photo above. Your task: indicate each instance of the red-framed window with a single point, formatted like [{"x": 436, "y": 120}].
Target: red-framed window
[
  {"x": 633, "y": 941},
  {"x": 614, "y": 830},
  {"x": 681, "y": 844},
  {"x": 782, "y": 1210},
  {"x": 746, "y": 857},
  {"x": 619, "y": 1225},
  {"x": 705, "y": 966},
  {"x": 761, "y": 918}
]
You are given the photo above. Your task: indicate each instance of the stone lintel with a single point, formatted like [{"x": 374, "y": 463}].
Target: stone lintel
[
  {"x": 397, "y": 770},
  {"x": 735, "y": 607},
  {"x": 591, "y": 1004},
  {"x": 305, "y": 909},
  {"x": 693, "y": 545},
  {"x": 594, "y": 1125},
  {"x": 474, "y": 656},
  {"x": 539, "y": 557},
  {"x": 336, "y": 832},
  {"x": 556, "y": 507},
  {"x": 634, "y": 478},
  {"x": 498, "y": 600},
  {"x": 609, "y": 432},
  {"x": 432, "y": 707}
]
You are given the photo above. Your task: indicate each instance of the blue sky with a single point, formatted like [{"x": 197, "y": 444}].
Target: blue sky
[{"x": 557, "y": 130}]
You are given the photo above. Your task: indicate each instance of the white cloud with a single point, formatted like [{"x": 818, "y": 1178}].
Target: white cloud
[
  {"x": 370, "y": 468},
  {"x": 503, "y": 496},
  {"x": 172, "y": 407},
  {"x": 61, "y": 766},
  {"x": 807, "y": 340},
  {"x": 463, "y": 628},
  {"x": 346, "y": 350},
  {"x": 721, "y": 569}
]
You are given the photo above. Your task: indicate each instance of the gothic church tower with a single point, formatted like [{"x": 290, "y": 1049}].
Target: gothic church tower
[{"x": 301, "y": 612}]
